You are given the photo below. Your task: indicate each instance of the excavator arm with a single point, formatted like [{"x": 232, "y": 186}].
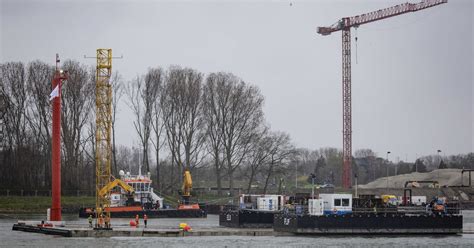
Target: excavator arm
[
  {"x": 186, "y": 192},
  {"x": 116, "y": 182}
]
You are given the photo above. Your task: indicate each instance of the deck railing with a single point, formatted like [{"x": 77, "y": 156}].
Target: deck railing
[
  {"x": 37, "y": 193},
  {"x": 404, "y": 210}
]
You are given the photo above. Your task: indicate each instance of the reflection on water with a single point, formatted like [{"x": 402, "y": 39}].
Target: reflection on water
[{"x": 11, "y": 238}]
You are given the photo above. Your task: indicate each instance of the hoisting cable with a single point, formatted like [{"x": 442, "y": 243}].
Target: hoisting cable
[{"x": 356, "y": 42}]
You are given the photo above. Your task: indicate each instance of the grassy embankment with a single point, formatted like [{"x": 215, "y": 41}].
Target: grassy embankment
[
  {"x": 18, "y": 204},
  {"x": 71, "y": 204}
]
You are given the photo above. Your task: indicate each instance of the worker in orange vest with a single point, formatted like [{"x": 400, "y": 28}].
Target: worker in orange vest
[
  {"x": 107, "y": 221},
  {"x": 101, "y": 220},
  {"x": 145, "y": 219},
  {"x": 137, "y": 219}
]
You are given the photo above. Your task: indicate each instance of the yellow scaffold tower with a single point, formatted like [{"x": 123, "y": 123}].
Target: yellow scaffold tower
[{"x": 103, "y": 152}]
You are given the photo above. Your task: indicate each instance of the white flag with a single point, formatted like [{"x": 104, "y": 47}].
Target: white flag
[{"x": 54, "y": 93}]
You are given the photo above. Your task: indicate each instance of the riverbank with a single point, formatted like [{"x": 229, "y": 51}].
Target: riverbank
[
  {"x": 39, "y": 204},
  {"x": 72, "y": 204}
]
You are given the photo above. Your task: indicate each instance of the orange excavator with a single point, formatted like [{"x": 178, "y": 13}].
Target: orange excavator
[{"x": 186, "y": 192}]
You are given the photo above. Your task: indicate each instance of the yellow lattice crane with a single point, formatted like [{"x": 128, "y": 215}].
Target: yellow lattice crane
[{"x": 103, "y": 151}]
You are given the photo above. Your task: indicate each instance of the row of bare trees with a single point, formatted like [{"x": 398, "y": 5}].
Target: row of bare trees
[
  {"x": 25, "y": 153},
  {"x": 199, "y": 121},
  {"x": 183, "y": 120},
  {"x": 211, "y": 124}
]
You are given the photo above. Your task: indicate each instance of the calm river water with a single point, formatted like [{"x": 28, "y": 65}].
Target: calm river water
[{"x": 9, "y": 238}]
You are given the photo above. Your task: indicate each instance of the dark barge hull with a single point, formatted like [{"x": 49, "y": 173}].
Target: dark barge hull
[
  {"x": 246, "y": 218},
  {"x": 368, "y": 224},
  {"x": 154, "y": 213},
  {"x": 44, "y": 230}
]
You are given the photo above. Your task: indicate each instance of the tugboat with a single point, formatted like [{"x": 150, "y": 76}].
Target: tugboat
[
  {"x": 254, "y": 211},
  {"x": 335, "y": 214},
  {"x": 133, "y": 195}
]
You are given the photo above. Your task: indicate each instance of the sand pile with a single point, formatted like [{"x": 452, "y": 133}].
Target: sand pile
[{"x": 448, "y": 177}]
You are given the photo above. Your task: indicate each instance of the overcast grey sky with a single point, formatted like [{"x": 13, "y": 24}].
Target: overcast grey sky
[{"x": 412, "y": 86}]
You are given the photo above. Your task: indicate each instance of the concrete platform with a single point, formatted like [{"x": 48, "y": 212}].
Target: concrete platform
[
  {"x": 468, "y": 228},
  {"x": 121, "y": 231},
  {"x": 141, "y": 232}
]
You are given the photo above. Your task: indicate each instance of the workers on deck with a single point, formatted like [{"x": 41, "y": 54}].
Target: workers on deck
[
  {"x": 90, "y": 220},
  {"x": 145, "y": 219},
  {"x": 107, "y": 221},
  {"x": 101, "y": 221},
  {"x": 137, "y": 219}
]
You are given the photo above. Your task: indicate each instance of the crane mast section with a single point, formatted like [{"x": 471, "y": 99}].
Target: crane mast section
[{"x": 103, "y": 153}]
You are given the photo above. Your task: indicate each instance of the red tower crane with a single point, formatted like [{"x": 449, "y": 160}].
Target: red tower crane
[{"x": 345, "y": 24}]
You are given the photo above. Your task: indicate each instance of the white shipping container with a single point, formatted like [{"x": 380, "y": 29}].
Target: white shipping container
[
  {"x": 419, "y": 200},
  {"x": 336, "y": 203},
  {"x": 315, "y": 207},
  {"x": 268, "y": 202},
  {"x": 416, "y": 200}
]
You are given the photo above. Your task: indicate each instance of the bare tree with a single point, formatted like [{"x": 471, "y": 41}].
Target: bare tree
[
  {"x": 89, "y": 149},
  {"x": 181, "y": 106},
  {"x": 77, "y": 100},
  {"x": 142, "y": 95},
  {"x": 363, "y": 153},
  {"x": 39, "y": 86},
  {"x": 169, "y": 108},
  {"x": 280, "y": 151},
  {"x": 155, "y": 76},
  {"x": 213, "y": 117},
  {"x": 259, "y": 153},
  {"x": 117, "y": 85},
  {"x": 124, "y": 158},
  {"x": 13, "y": 81},
  {"x": 240, "y": 111}
]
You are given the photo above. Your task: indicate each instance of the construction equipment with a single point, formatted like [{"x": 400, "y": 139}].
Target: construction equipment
[
  {"x": 187, "y": 186},
  {"x": 103, "y": 152},
  {"x": 416, "y": 184},
  {"x": 390, "y": 200},
  {"x": 186, "y": 192},
  {"x": 116, "y": 182},
  {"x": 345, "y": 24}
]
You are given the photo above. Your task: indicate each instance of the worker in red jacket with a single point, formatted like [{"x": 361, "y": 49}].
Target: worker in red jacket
[
  {"x": 145, "y": 219},
  {"x": 137, "y": 219}
]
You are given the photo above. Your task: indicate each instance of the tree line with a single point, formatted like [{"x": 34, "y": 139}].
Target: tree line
[{"x": 212, "y": 125}]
